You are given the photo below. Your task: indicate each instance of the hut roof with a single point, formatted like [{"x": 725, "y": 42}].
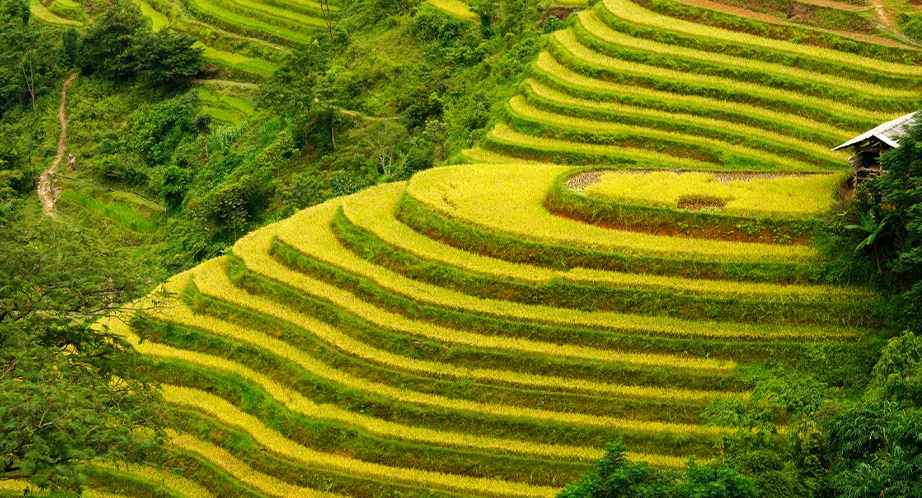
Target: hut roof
[{"x": 886, "y": 132}]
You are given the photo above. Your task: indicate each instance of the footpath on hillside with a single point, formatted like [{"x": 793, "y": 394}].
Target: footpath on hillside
[{"x": 46, "y": 190}]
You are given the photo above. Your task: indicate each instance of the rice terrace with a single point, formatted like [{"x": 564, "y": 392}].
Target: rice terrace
[{"x": 497, "y": 248}]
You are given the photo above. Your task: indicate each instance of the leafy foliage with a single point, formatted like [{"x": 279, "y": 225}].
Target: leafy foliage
[
  {"x": 120, "y": 46},
  {"x": 875, "y": 446},
  {"x": 27, "y": 57},
  {"x": 69, "y": 394},
  {"x": 900, "y": 195},
  {"x": 616, "y": 477}
]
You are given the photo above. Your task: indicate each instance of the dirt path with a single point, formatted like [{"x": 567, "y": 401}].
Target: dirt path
[
  {"x": 879, "y": 6},
  {"x": 365, "y": 116},
  {"x": 46, "y": 191},
  {"x": 837, "y": 5}
]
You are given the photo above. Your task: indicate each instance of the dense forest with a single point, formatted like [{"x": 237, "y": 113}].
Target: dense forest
[{"x": 171, "y": 158}]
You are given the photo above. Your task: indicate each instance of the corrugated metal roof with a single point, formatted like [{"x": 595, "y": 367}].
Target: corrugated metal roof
[{"x": 886, "y": 132}]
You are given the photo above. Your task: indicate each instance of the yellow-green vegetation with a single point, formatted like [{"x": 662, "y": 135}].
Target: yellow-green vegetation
[
  {"x": 510, "y": 200},
  {"x": 634, "y": 13},
  {"x": 39, "y": 11},
  {"x": 254, "y": 319},
  {"x": 276, "y": 442},
  {"x": 235, "y": 61},
  {"x": 236, "y": 468},
  {"x": 568, "y": 40},
  {"x": 594, "y": 26},
  {"x": 455, "y": 333},
  {"x": 125, "y": 210},
  {"x": 322, "y": 244},
  {"x": 545, "y": 92},
  {"x": 223, "y": 108},
  {"x": 519, "y": 107},
  {"x": 503, "y": 134},
  {"x": 300, "y": 404},
  {"x": 455, "y": 8},
  {"x": 157, "y": 19},
  {"x": 373, "y": 211},
  {"x": 786, "y": 196},
  {"x": 548, "y": 64}
]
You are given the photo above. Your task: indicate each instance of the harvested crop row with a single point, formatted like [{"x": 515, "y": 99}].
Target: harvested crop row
[
  {"x": 230, "y": 415},
  {"x": 504, "y": 137},
  {"x": 324, "y": 246},
  {"x": 754, "y": 137},
  {"x": 567, "y": 295},
  {"x": 239, "y": 470},
  {"x": 519, "y": 107},
  {"x": 237, "y": 22},
  {"x": 219, "y": 287},
  {"x": 167, "y": 480},
  {"x": 455, "y": 8},
  {"x": 601, "y": 91},
  {"x": 597, "y": 28},
  {"x": 711, "y": 84},
  {"x": 787, "y": 197},
  {"x": 373, "y": 211},
  {"x": 211, "y": 280},
  {"x": 221, "y": 328},
  {"x": 510, "y": 200},
  {"x": 630, "y": 11}
]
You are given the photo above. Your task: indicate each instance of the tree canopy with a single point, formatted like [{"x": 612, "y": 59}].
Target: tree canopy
[{"x": 69, "y": 394}]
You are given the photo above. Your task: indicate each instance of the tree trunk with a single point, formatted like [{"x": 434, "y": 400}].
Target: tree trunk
[
  {"x": 328, "y": 16},
  {"x": 30, "y": 83}
]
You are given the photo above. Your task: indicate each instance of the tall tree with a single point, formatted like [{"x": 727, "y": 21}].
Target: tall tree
[
  {"x": 900, "y": 194},
  {"x": 27, "y": 59},
  {"x": 109, "y": 43},
  {"x": 167, "y": 57},
  {"x": 69, "y": 394}
]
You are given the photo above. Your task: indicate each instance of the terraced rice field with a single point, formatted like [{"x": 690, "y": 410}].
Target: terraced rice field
[
  {"x": 747, "y": 195},
  {"x": 456, "y": 8},
  {"x": 246, "y": 38},
  {"x": 341, "y": 351},
  {"x": 627, "y": 85},
  {"x": 452, "y": 336}
]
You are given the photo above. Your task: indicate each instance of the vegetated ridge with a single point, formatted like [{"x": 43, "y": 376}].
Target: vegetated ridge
[{"x": 454, "y": 335}]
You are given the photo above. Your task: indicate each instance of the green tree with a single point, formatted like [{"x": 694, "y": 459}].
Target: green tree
[
  {"x": 167, "y": 57},
  {"x": 109, "y": 42},
  {"x": 617, "y": 477},
  {"x": 70, "y": 48},
  {"x": 900, "y": 193},
  {"x": 301, "y": 89},
  {"x": 69, "y": 394},
  {"x": 876, "y": 447},
  {"x": 27, "y": 57},
  {"x": 16, "y": 37}
]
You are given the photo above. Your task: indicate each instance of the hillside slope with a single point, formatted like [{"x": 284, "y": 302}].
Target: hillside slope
[{"x": 485, "y": 329}]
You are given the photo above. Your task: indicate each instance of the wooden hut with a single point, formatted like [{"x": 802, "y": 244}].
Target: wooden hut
[{"x": 871, "y": 144}]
